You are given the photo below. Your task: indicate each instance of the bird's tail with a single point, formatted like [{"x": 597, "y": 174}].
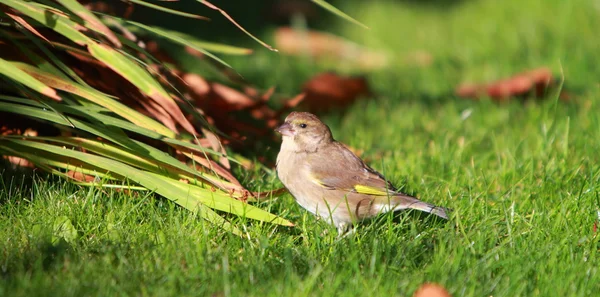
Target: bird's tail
[{"x": 408, "y": 202}]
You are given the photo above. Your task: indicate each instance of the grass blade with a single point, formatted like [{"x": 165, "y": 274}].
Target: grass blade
[
  {"x": 338, "y": 12},
  {"x": 168, "y": 10},
  {"x": 226, "y": 15}
]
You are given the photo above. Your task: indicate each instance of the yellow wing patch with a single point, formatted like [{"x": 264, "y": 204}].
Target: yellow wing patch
[
  {"x": 370, "y": 190},
  {"x": 317, "y": 181}
]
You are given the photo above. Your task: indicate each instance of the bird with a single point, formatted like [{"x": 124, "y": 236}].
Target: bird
[{"x": 330, "y": 181}]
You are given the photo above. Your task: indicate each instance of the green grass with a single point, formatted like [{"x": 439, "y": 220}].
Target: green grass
[{"x": 523, "y": 180}]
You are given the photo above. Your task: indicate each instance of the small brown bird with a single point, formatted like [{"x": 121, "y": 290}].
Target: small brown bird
[{"x": 330, "y": 181}]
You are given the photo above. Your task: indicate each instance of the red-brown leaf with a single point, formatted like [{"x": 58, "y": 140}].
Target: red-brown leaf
[
  {"x": 431, "y": 290},
  {"x": 535, "y": 81},
  {"x": 328, "y": 90},
  {"x": 326, "y": 46},
  {"x": 76, "y": 175}
]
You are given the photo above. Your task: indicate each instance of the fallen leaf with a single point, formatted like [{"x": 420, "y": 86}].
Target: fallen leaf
[
  {"x": 216, "y": 145},
  {"x": 233, "y": 98},
  {"x": 534, "y": 82},
  {"x": 76, "y": 175},
  {"x": 431, "y": 290},
  {"x": 18, "y": 162},
  {"x": 329, "y": 90},
  {"x": 196, "y": 83},
  {"x": 326, "y": 46}
]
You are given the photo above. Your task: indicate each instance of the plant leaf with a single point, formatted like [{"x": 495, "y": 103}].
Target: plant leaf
[
  {"x": 338, "y": 12},
  {"x": 168, "y": 10},
  {"x": 92, "y": 21},
  {"x": 46, "y": 16},
  {"x": 226, "y": 15},
  {"x": 63, "y": 229},
  {"x": 12, "y": 72},
  {"x": 141, "y": 79},
  {"x": 96, "y": 97},
  {"x": 188, "y": 196}
]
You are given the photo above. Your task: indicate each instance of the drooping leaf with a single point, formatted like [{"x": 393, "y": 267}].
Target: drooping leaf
[
  {"x": 168, "y": 10},
  {"x": 186, "y": 195},
  {"x": 338, "y": 12},
  {"x": 141, "y": 79},
  {"x": 96, "y": 97},
  {"x": 11, "y": 72},
  {"x": 27, "y": 26},
  {"x": 226, "y": 15},
  {"x": 91, "y": 20},
  {"x": 46, "y": 16}
]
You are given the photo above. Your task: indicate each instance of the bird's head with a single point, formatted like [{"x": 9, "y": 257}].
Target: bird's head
[{"x": 305, "y": 130}]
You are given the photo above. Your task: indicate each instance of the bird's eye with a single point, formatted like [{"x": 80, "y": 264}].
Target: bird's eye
[{"x": 302, "y": 126}]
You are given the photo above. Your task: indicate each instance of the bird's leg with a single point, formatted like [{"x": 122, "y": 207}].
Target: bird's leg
[{"x": 344, "y": 230}]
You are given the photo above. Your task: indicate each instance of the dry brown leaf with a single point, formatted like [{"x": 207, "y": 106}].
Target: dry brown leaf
[
  {"x": 327, "y": 46},
  {"x": 76, "y": 175},
  {"x": 267, "y": 194},
  {"x": 329, "y": 90},
  {"x": 18, "y": 162},
  {"x": 242, "y": 115},
  {"x": 92, "y": 21},
  {"x": 233, "y": 99},
  {"x": 216, "y": 145},
  {"x": 534, "y": 82},
  {"x": 431, "y": 290},
  {"x": 196, "y": 83},
  {"x": 14, "y": 160},
  {"x": 156, "y": 111},
  {"x": 212, "y": 166},
  {"x": 27, "y": 26}
]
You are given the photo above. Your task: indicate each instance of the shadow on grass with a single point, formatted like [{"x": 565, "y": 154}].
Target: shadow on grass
[
  {"x": 16, "y": 181},
  {"x": 41, "y": 256}
]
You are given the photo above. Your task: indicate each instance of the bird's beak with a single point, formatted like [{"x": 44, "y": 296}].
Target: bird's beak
[{"x": 286, "y": 130}]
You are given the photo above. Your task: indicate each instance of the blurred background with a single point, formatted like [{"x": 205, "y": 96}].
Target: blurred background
[{"x": 422, "y": 48}]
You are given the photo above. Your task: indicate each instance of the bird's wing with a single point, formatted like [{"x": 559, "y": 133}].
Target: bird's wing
[{"x": 349, "y": 173}]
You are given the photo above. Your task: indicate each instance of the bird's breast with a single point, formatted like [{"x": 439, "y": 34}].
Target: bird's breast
[{"x": 288, "y": 165}]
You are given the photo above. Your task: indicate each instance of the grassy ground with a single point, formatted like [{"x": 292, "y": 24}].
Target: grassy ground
[{"x": 523, "y": 179}]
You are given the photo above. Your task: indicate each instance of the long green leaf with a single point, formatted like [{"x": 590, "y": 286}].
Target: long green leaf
[
  {"x": 12, "y": 72},
  {"x": 46, "y": 16},
  {"x": 99, "y": 113},
  {"x": 46, "y": 64},
  {"x": 338, "y": 12},
  {"x": 191, "y": 41},
  {"x": 46, "y": 163},
  {"x": 112, "y": 58},
  {"x": 226, "y": 15},
  {"x": 141, "y": 79},
  {"x": 176, "y": 38},
  {"x": 91, "y": 20},
  {"x": 188, "y": 196},
  {"x": 147, "y": 158},
  {"x": 131, "y": 146},
  {"x": 96, "y": 97},
  {"x": 168, "y": 10}
]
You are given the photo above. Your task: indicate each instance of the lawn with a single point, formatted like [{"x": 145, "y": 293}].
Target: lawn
[{"x": 522, "y": 178}]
